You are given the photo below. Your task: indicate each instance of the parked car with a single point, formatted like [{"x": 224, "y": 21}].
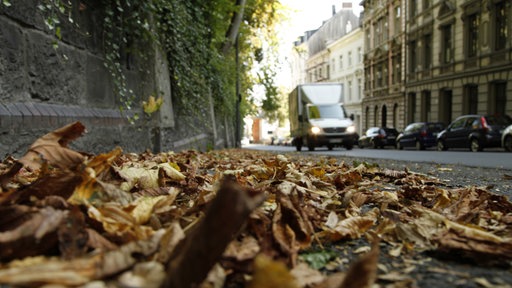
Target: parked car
[
  {"x": 378, "y": 137},
  {"x": 419, "y": 135},
  {"x": 475, "y": 132},
  {"x": 506, "y": 139}
]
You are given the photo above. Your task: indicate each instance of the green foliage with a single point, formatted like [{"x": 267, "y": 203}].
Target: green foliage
[{"x": 318, "y": 260}]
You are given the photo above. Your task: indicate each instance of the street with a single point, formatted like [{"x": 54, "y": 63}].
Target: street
[{"x": 493, "y": 158}]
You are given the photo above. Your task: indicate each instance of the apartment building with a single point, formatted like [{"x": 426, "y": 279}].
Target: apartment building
[
  {"x": 384, "y": 58},
  {"x": 333, "y": 53},
  {"x": 346, "y": 66},
  {"x": 459, "y": 59}
]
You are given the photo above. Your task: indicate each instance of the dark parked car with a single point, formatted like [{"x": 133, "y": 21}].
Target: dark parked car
[
  {"x": 475, "y": 132},
  {"x": 419, "y": 135},
  {"x": 378, "y": 137},
  {"x": 506, "y": 139}
]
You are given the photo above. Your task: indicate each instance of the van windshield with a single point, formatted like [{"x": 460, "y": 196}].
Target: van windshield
[{"x": 326, "y": 111}]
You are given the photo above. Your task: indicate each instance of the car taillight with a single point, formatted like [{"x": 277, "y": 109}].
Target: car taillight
[
  {"x": 423, "y": 133},
  {"x": 485, "y": 126}
]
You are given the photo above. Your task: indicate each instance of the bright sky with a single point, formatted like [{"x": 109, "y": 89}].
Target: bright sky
[
  {"x": 310, "y": 14},
  {"x": 306, "y": 15}
]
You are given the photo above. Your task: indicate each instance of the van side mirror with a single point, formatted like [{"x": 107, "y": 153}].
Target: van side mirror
[
  {"x": 352, "y": 117},
  {"x": 300, "y": 118}
]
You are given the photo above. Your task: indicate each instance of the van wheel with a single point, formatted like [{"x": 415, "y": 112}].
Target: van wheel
[
  {"x": 297, "y": 142},
  {"x": 507, "y": 144},
  {"x": 441, "y": 146},
  {"x": 419, "y": 146},
  {"x": 349, "y": 146},
  {"x": 475, "y": 145},
  {"x": 330, "y": 146}
]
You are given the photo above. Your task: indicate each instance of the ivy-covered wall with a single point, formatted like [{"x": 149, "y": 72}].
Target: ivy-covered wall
[{"x": 47, "y": 82}]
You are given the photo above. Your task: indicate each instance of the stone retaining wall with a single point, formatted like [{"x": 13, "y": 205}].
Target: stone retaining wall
[{"x": 43, "y": 88}]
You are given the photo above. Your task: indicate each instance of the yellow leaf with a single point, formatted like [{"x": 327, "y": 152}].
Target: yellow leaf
[
  {"x": 144, "y": 208},
  {"x": 269, "y": 274},
  {"x": 152, "y": 105}
]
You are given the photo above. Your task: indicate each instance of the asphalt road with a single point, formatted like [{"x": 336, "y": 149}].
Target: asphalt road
[{"x": 491, "y": 158}]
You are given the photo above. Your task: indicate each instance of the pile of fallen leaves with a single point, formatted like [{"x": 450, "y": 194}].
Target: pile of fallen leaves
[{"x": 229, "y": 218}]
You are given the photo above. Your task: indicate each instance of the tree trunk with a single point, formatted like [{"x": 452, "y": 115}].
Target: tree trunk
[{"x": 232, "y": 32}]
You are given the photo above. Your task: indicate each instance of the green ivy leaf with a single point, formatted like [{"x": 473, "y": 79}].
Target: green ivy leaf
[
  {"x": 318, "y": 260},
  {"x": 58, "y": 33}
]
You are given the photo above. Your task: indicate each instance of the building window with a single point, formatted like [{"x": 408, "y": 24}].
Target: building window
[
  {"x": 398, "y": 26},
  {"x": 498, "y": 98},
  {"x": 470, "y": 99},
  {"x": 368, "y": 40},
  {"x": 446, "y": 44},
  {"x": 376, "y": 34},
  {"x": 379, "y": 76},
  {"x": 397, "y": 69},
  {"x": 386, "y": 73},
  {"x": 412, "y": 7},
  {"x": 375, "y": 112},
  {"x": 359, "y": 88},
  {"x": 367, "y": 79},
  {"x": 385, "y": 28},
  {"x": 349, "y": 58},
  {"x": 445, "y": 106},
  {"x": 425, "y": 105},
  {"x": 412, "y": 57},
  {"x": 500, "y": 24},
  {"x": 341, "y": 61},
  {"x": 350, "y": 90},
  {"x": 472, "y": 35},
  {"x": 359, "y": 55},
  {"x": 411, "y": 107},
  {"x": 427, "y": 51},
  {"x": 426, "y": 4}
]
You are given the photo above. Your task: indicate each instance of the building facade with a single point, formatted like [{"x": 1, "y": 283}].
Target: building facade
[
  {"x": 384, "y": 57},
  {"x": 459, "y": 56},
  {"x": 333, "y": 53},
  {"x": 346, "y": 66}
]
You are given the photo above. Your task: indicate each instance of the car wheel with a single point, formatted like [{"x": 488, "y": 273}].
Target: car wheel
[
  {"x": 441, "y": 146},
  {"x": 419, "y": 146},
  {"x": 298, "y": 147},
  {"x": 507, "y": 143},
  {"x": 329, "y": 147},
  {"x": 349, "y": 146},
  {"x": 475, "y": 145}
]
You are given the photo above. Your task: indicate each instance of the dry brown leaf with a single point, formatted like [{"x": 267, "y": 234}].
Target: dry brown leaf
[
  {"x": 363, "y": 272},
  {"x": 245, "y": 249},
  {"x": 33, "y": 237},
  {"x": 291, "y": 227},
  {"x": 81, "y": 270},
  {"x": 349, "y": 228},
  {"x": 305, "y": 276},
  {"x": 52, "y": 149}
]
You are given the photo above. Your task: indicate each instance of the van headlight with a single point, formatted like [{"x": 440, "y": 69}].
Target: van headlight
[
  {"x": 315, "y": 130},
  {"x": 351, "y": 129}
]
